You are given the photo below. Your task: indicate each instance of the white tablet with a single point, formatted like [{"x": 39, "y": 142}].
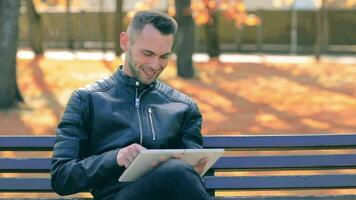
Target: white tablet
[{"x": 146, "y": 160}]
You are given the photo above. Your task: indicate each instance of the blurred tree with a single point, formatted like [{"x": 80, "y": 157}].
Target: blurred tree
[
  {"x": 141, "y": 5},
  {"x": 102, "y": 20},
  {"x": 35, "y": 34},
  {"x": 211, "y": 29},
  {"x": 350, "y": 3},
  {"x": 69, "y": 25},
  {"x": 342, "y": 3},
  {"x": 322, "y": 20},
  {"x": 205, "y": 13},
  {"x": 185, "y": 39},
  {"x": 9, "y": 92},
  {"x": 321, "y": 24},
  {"x": 236, "y": 11},
  {"x": 118, "y": 26}
]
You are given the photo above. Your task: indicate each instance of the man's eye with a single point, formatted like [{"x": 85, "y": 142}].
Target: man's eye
[
  {"x": 165, "y": 57},
  {"x": 147, "y": 54}
]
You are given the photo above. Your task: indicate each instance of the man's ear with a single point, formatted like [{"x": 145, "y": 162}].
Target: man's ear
[{"x": 124, "y": 41}]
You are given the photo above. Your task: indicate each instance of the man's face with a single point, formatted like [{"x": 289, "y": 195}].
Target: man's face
[{"x": 147, "y": 53}]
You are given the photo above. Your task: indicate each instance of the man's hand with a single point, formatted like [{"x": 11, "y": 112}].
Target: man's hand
[
  {"x": 199, "y": 167},
  {"x": 126, "y": 155}
]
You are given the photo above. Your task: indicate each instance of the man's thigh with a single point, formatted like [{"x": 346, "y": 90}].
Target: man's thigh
[{"x": 166, "y": 181}]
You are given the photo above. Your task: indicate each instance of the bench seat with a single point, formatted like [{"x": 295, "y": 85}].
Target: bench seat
[{"x": 331, "y": 156}]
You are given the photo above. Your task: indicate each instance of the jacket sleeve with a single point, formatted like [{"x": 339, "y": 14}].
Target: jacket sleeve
[
  {"x": 72, "y": 169},
  {"x": 191, "y": 129}
]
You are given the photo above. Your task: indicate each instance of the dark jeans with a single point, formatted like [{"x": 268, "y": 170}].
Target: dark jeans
[{"x": 172, "y": 180}]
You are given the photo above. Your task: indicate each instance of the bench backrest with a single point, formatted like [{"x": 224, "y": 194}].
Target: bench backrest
[{"x": 273, "y": 153}]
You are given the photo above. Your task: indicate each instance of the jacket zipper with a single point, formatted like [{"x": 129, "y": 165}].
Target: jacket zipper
[
  {"x": 137, "y": 106},
  {"x": 151, "y": 123}
]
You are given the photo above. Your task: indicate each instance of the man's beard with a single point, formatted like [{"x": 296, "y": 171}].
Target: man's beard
[
  {"x": 135, "y": 69},
  {"x": 132, "y": 65}
]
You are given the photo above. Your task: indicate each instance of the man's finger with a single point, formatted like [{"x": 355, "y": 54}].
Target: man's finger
[
  {"x": 126, "y": 163},
  {"x": 162, "y": 159},
  {"x": 154, "y": 164},
  {"x": 132, "y": 153},
  {"x": 204, "y": 160},
  {"x": 130, "y": 158},
  {"x": 177, "y": 156},
  {"x": 199, "y": 167},
  {"x": 138, "y": 147},
  {"x": 126, "y": 155}
]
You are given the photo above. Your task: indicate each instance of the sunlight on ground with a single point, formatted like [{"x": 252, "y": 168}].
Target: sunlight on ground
[
  {"x": 278, "y": 94},
  {"x": 274, "y": 98}
]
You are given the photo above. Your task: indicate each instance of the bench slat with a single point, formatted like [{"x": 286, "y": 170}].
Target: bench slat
[
  {"x": 239, "y": 141},
  {"x": 236, "y": 183},
  {"x": 237, "y": 163},
  {"x": 281, "y": 141},
  {"x": 281, "y": 182},
  {"x": 287, "y": 162},
  {"x": 27, "y": 143},
  {"x": 25, "y": 185},
  {"x": 25, "y": 165}
]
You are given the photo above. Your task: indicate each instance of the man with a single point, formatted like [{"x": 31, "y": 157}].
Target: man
[{"x": 106, "y": 124}]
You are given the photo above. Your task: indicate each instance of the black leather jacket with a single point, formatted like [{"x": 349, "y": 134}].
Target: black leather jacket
[{"x": 111, "y": 114}]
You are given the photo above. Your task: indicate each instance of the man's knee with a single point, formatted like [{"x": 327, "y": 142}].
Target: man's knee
[
  {"x": 181, "y": 180},
  {"x": 175, "y": 168}
]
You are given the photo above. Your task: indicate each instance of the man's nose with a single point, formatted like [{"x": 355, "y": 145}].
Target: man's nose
[{"x": 155, "y": 63}]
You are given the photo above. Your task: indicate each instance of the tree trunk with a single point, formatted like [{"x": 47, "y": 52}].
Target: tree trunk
[
  {"x": 9, "y": 92},
  {"x": 69, "y": 26},
  {"x": 102, "y": 26},
  {"x": 212, "y": 36},
  {"x": 238, "y": 38},
  {"x": 325, "y": 29},
  {"x": 185, "y": 39},
  {"x": 35, "y": 35},
  {"x": 319, "y": 37},
  {"x": 294, "y": 31},
  {"x": 118, "y": 27},
  {"x": 259, "y": 33}
]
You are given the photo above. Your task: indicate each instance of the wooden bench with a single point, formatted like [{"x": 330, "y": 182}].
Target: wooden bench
[{"x": 238, "y": 171}]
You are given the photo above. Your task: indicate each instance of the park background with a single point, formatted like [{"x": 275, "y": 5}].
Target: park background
[{"x": 254, "y": 67}]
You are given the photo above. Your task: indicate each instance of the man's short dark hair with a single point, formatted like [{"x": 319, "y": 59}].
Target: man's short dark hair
[{"x": 164, "y": 23}]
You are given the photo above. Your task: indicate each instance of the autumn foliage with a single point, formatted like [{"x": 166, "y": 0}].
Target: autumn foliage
[{"x": 202, "y": 11}]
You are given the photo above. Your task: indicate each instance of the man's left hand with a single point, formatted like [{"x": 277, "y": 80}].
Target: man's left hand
[{"x": 199, "y": 167}]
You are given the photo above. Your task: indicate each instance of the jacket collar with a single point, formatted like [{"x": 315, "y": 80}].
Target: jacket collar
[{"x": 123, "y": 78}]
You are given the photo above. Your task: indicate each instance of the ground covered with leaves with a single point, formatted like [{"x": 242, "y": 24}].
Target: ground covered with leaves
[{"x": 235, "y": 98}]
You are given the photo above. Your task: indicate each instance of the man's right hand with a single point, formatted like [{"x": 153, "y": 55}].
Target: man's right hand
[{"x": 126, "y": 155}]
